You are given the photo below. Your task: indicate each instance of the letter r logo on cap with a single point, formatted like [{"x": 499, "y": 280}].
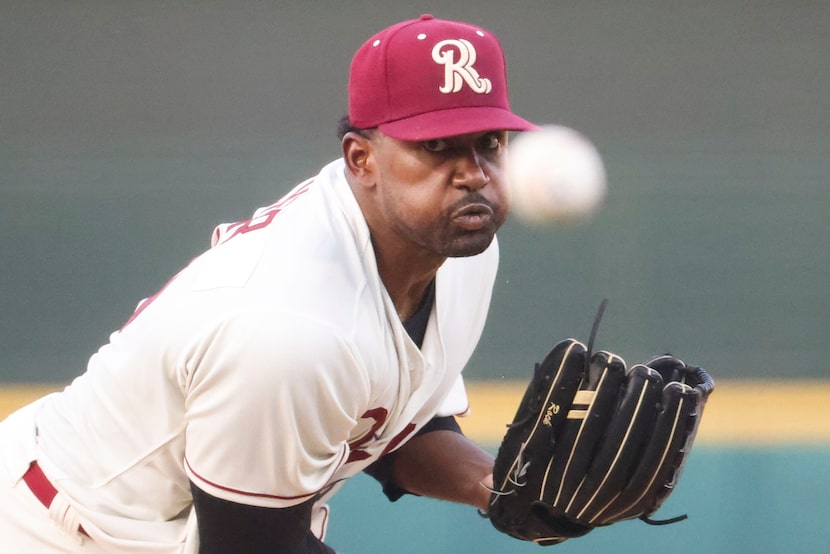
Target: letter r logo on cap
[{"x": 461, "y": 70}]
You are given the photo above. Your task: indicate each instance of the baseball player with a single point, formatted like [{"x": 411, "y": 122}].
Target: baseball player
[{"x": 322, "y": 337}]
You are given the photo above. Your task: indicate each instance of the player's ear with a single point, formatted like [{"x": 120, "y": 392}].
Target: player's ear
[{"x": 359, "y": 155}]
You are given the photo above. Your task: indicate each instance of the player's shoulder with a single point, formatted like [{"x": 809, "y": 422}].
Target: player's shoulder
[{"x": 280, "y": 332}]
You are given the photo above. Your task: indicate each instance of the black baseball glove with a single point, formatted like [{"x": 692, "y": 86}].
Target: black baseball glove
[{"x": 593, "y": 443}]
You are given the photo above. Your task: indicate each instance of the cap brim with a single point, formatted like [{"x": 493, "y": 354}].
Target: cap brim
[{"x": 455, "y": 121}]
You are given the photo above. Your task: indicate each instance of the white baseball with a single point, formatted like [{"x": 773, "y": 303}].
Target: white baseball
[{"x": 554, "y": 175}]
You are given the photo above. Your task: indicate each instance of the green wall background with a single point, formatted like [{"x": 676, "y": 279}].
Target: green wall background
[{"x": 129, "y": 129}]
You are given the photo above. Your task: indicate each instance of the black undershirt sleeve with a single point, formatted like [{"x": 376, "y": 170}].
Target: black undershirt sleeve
[{"x": 226, "y": 526}]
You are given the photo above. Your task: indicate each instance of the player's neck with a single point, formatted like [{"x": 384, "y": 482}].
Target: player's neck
[
  {"x": 408, "y": 302},
  {"x": 406, "y": 277}
]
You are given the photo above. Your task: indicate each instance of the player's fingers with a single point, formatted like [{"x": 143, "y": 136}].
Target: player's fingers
[
  {"x": 663, "y": 457},
  {"x": 587, "y": 420},
  {"x": 530, "y": 437},
  {"x": 622, "y": 444},
  {"x": 545, "y": 404}
]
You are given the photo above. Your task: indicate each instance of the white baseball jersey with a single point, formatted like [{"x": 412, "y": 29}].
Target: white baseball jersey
[{"x": 267, "y": 371}]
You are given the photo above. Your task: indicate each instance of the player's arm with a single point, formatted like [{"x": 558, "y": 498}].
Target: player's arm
[
  {"x": 242, "y": 447},
  {"x": 226, "y": 526},
  {"x": 439, "y": 462}
]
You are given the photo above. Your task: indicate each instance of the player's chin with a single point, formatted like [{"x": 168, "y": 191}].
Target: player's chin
[{"x": 469, "y": 243}]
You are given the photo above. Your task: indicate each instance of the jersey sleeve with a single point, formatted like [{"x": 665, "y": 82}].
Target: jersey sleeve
[
  {"x": 456, "y": 402},
  {"x": 270, "y": 403},
  {"x": 465, "y": 287}
]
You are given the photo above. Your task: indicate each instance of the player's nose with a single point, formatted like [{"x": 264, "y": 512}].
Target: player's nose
[{"x": 469, "y": 170}]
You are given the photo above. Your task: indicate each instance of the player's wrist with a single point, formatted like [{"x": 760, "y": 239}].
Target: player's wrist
[{"x": 483, "y": 493}]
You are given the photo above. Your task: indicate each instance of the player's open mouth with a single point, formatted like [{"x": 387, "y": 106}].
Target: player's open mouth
[{"x": 473, "y": 217}]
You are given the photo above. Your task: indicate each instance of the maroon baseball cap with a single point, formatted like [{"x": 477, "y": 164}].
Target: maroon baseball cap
[{"x": 428, "y": 78}]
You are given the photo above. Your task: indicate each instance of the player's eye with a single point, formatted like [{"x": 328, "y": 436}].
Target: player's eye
[
  {"x": 436, "y": 145},
  {"x": 491, "y": 141}
]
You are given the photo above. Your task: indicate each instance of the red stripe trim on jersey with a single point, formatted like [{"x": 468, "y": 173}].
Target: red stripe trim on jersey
[{"x": 259, "y": 494}]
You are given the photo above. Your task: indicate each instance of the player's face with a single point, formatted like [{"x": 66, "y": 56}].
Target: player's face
[{"x": 446, "y": 195}]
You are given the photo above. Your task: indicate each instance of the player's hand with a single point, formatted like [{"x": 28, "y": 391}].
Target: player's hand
[{"x": 593, "y": 443}]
